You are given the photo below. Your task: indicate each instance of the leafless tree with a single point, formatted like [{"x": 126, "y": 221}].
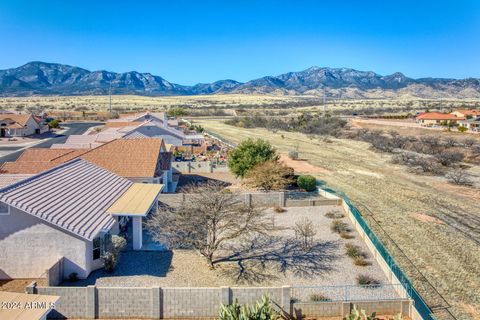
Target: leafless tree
[
  {"x": 207, "y": 220},
  {"x": 469, "y": 142},
  {"x": 460, "y": 177},
  {"x": 447, "y": 158},
  {"x": 305, "y": 232}
]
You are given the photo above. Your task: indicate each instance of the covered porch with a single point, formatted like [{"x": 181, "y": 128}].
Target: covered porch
[{"x": 136, "y": 203}]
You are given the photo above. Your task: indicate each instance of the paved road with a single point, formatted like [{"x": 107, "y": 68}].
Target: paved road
[{"x": 72, "y": 128}]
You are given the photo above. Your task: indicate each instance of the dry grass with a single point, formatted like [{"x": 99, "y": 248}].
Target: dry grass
[{"x": 446, "y": 253}]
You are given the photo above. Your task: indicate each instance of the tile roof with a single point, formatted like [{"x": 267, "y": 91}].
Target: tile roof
[
  {"x": 8, "y": 179},
  {"x": 20, "y": 119},
  {"x": 438, "y": 116},
  {"x": 36, "y": 160},
  {"x": 120, "y": 124},
  {"x": 73, "y": 196},
  {"x": 131, "y": 158},
  {"x": 469, "y": 112}
]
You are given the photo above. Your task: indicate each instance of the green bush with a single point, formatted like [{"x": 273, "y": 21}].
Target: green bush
[
  {"x": 248, "y": 154},
  {"x": 462, "y": 129},
  {"x": 307, "y": 182},
  {"x": 54, "y": 124}
]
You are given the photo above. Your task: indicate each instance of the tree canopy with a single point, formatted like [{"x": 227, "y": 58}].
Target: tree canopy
[{"x": 248, "y": 154}]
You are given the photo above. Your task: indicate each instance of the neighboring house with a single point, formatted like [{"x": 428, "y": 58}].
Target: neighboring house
[
  {"x": 36, "y": 160},
  {"x": 21, "y": 125},
  {"x": 156, "y": 125},
  {"x": 437, "y": 118},
  {"x": 472, "y": 124},
  {"x": 68, "y": 212},
  {"x": 89, "y": 141},
  {"x": 139, "y": 160},
  {"x": 466, "y": 113}
]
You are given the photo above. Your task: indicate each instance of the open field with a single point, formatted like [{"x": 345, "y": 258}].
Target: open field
[
  {"x": 259, "y": 103},
  {"x": 435, "y": 225}
]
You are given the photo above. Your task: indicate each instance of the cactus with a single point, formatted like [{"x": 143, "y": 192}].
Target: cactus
[
  {"x": 356, "y": 314},
  {"x": 261, "y": 310}
]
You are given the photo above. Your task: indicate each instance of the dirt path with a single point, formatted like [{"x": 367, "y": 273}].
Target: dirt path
[{"x": 435, "y": 225}]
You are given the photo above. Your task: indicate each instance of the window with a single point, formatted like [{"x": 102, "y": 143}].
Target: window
[
  {"x": 4, "y": 209},
  {"x": 97, "y": 245}
]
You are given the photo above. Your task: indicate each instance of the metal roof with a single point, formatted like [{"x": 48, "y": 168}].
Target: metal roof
[
  {"x": 137, "y": 200},
  {"x": 74, "y": 196}
]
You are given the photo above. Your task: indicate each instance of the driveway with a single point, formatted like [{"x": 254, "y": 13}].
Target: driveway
[{"x": 73, "y": 128}]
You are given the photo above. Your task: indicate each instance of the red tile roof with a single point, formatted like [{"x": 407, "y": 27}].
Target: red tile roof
[{"x": 438, "y": 116}]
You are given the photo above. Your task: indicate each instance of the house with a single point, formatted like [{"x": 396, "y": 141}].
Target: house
[
  {"x": 472, "y": 124},
  {"x": 68, "y": 212},
  {"x": 89, "y": 141},
  {"x": 466, "y": 113},
  {"x": 21, "y": 125},
  {"x": 36, "y": 160},
  {"x": 139, "y": 160},
  {"x": 437, "y": 118},
  {"x": 156, "y": 125}
]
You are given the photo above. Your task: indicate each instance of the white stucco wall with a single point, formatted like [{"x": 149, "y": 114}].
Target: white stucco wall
[{"x": 29, "y": 246}]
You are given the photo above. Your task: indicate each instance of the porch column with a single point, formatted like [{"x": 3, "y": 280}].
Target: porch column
[
  {"x": 137, "y": 232},
  {"x": 165, "y": 180}
]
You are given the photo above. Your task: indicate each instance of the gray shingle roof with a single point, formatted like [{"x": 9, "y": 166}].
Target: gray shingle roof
[{"x": 74, "y": 196}]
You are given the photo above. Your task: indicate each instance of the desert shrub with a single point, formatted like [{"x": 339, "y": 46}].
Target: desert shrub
[
  {"x": 263, "y": 309},
  {"x": 462, "y": 129},
  {"x": 307, "y": 182},
  {"x": 176, "y": 112},
  {"x": 339, "y": 226},
  {"x": 318, "y": 297},
  {"x": 112, "y": 255},
  {"x": 248, "y": 154},
  {"x": 334, "y": 214},
  {"x": 447, "y": 158},
  {"x": 361, "y": 261},
  {"x": 366, "y": 280},
  {"x": 346, "y": 235},
  {"x": 293, "y": 154},
  {"x": 450, "y": 142},
  {"x": 354, "y": 251},
  {"x": 278, "y": 209},
  {"x": 469, "y": 142},
  {"x": 269, "y": 175},
  {"x": 460, "y": 177}
]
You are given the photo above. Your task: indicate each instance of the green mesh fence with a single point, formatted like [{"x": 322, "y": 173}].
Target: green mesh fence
[{"x": 422, "y": 308}]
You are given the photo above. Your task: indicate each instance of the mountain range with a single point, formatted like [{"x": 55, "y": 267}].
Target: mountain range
[{"x": 41, "y": 78}]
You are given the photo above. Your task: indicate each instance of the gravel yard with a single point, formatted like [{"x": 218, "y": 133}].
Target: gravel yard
[{"x": 181, "y": 268}]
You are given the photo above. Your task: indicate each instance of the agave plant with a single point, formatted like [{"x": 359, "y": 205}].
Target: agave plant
[{"x": 261, "y": 310}]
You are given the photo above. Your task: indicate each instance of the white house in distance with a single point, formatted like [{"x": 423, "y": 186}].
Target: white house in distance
[
  {"x": 21, "y": 125},
  {"x": 155, "y": 125},
  {"x": 68, "y": 212}
]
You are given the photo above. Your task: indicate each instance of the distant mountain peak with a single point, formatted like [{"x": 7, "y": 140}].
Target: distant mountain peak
[{"x": 44, "y": 78}]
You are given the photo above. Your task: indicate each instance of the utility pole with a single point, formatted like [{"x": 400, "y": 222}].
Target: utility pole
[
  {"x": 110, "y": 95},
  {"x": 324, "y": 102}
]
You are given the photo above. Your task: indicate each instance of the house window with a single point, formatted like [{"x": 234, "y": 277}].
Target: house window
[
  {"x": 4, "y": 209},
  {"x": 97, "y": 248}
]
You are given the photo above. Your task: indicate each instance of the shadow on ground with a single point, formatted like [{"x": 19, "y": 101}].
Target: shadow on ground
[{"x": 132, "y": 263}]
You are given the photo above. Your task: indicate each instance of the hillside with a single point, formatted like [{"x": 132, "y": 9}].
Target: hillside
[{"x": 40, "y": 78}]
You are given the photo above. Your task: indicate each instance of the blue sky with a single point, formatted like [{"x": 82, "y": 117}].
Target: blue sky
[{"x": 202, "y": 41}]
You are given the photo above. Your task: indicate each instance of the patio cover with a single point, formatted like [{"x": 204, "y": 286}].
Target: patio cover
[
  {"x": 136, "y": 201},
  {"x": 29, "y": 306}
]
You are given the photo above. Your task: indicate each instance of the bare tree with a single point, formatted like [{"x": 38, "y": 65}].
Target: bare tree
[
  {"x": 460, "y": 177},
  {"x": 208, "y": 219},
  {"x": 447, "y": 158},
  {"x": 305, "y": 232}
]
